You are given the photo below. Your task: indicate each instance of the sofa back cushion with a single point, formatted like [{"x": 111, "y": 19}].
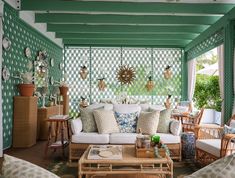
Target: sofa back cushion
[
  {"x": 127, "y": 108},
  {"x": 76, "y": 126},
  {"x": 127, "y": 122},
  {"x": 164, "y": 121},
  {"x": 148, "y": 122},
  {"x": 105, "y": 121}
]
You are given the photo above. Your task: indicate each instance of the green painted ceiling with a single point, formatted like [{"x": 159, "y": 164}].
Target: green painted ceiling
[{"x": 118, "y": 23}]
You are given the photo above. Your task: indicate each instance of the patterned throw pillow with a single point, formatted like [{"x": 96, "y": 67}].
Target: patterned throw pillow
[
  {"x": 88, "y": 120},
  {"x": 105, "y": 121},
  {"x": 127, "y": 122},
  {"x": 164, "y": 121},
  {"x": 148, "y": 122},
  {"x": 18, "y": 168}
]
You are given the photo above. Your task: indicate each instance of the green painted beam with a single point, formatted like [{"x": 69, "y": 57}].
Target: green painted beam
[
  {"x": 124, "y": 7},
  {"x": 125, "y": 36},
  {"x": 61, "y": 18},
  {"x": 212, "y": 29},
  {"x": 120, "y": 42},
  {"x": 120, "y": 29}
]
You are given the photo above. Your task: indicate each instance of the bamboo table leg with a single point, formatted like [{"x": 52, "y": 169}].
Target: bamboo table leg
[{"x": 48, "y": 139}]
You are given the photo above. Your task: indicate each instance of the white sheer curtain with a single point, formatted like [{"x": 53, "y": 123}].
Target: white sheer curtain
[
  {"x": 191, "y": 78},
  {"x": 1, "y": 126},
  {"x": 220, "y": 54}
]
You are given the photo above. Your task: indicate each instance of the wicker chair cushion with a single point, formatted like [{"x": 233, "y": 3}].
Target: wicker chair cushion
[
  {"x": 211, "y": 146},
  {"x": 232, "y": 124}
]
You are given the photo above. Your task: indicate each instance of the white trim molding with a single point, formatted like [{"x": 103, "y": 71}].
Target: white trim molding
[{"x": 29, "y": 18}]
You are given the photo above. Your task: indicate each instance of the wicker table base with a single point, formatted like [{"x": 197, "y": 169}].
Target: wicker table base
[{"x": 129, "y": 164}]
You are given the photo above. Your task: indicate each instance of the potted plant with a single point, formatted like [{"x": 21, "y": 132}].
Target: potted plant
[
  {"x": 27, "y": 87},
  {"x": 150, "y": 85},
  {"x": 63, "y": 86}
]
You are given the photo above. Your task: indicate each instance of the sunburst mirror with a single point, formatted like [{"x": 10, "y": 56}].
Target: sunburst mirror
[{"x": 126, "y": 74}]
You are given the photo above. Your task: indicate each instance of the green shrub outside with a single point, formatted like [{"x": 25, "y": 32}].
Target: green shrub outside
[{"x": 207, "y": 92}]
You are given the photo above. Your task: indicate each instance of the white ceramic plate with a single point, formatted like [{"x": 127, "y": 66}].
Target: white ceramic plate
[{"x": 105, "y": 153}]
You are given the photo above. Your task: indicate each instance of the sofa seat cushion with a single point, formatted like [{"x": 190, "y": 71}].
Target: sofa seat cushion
[
  {"x": 122, "y": 138},
  {"x": 92, "y": 137},
  {"x": 211, "y": 146},
  {"x": 168, "y": 138}
]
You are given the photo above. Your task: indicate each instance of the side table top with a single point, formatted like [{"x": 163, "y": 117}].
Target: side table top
[{"x": 58, "y": 118}]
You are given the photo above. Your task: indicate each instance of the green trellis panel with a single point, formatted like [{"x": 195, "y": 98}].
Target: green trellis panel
[
  {"x": 104, "y": 64},
  {"x": 162, "y": 58},
  {"x": 22, "y": 36},
  {"x": 141, "y": 60},
  {"x": 211, "y": 42},
  {"x": 105, "y": 61}
]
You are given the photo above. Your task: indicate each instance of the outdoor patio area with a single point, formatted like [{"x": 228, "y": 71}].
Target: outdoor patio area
[{"x": 117, "y": 88}]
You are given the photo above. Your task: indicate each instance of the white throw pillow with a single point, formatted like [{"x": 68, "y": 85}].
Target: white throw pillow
[
  {"x": 127, "y": 108},
  {"x": 208, "y": 116},
  {"x": 148, "y": 122},
  {"x": 76, "y": 126},
  {"x": 18, "y": 168},
  {"x": 175, "y": 127},
  {"x": 105, "y": 121}
]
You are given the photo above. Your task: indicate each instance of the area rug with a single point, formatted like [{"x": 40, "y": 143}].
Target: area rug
[{"x": 66, "y": 170}]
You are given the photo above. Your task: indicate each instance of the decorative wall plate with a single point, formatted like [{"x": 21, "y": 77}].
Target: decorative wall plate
[
  {"x": 51, "y": 80},
  {"x": 61, "y": 66},
  {"x": 5, "y": 73},
  {"x": 6, "y": 43},
  {"x": 27, "y": 52},
  {"x": 126, "y": 75},
  {"x": 52, "y": 62}
]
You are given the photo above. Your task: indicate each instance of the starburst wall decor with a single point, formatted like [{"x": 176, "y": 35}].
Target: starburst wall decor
[{"x": 126, "y": 75}]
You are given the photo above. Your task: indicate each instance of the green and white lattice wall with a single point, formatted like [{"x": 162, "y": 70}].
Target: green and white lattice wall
[
  {"x": 105, "y": 62},
  {"x": 22, "y": 36}
]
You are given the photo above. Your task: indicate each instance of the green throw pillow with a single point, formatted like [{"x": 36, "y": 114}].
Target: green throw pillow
[
  {"x": 88, "y": 120},
  {"x": 164, "y": 121}
]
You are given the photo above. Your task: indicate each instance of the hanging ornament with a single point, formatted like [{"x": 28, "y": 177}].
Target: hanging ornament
[
  {"x": 83, "y": 103},
  {"x": 168, "y": 102},
  {"x": 150, "y": 85},
  {"x": 101, "y": 84},
  {"x": 167, "y": 72},
  {"x": 83, "y": 72},
  {"x": 126, "y": 75}
]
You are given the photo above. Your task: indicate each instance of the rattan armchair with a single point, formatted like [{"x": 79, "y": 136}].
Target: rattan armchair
[
  {"x": 211, "y": 144},
  {"x": 190, "y": 122}
]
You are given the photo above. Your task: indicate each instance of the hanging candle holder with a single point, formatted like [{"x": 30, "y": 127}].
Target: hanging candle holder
[
  {"x": 83, "y": 72},
  {"x": 101, "y": 84},
  {"x": 167, "y": 72},
  {"x": 150, "y": 85}
]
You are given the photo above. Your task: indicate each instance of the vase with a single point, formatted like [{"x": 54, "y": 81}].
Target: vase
[
  {"x": 63, "y": 90},
  {"x": 26, "y": 89},
  {"x": 149, "y": 86},
  {"x": 83, "y": 73}
]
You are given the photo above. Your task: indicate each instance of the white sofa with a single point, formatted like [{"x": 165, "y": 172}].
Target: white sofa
[{"x": 80, "y": 140}]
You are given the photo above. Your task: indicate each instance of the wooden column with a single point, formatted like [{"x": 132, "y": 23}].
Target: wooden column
[{"x": 25, "y": 121}]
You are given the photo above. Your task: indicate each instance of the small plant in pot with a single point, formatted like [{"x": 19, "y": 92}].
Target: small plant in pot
[
  {"x": 63, "y": 86},
  {"x": 27, "y": 87}
]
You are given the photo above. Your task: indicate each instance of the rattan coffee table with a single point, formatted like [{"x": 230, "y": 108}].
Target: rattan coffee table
[{"x": 129, "y": 164}]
